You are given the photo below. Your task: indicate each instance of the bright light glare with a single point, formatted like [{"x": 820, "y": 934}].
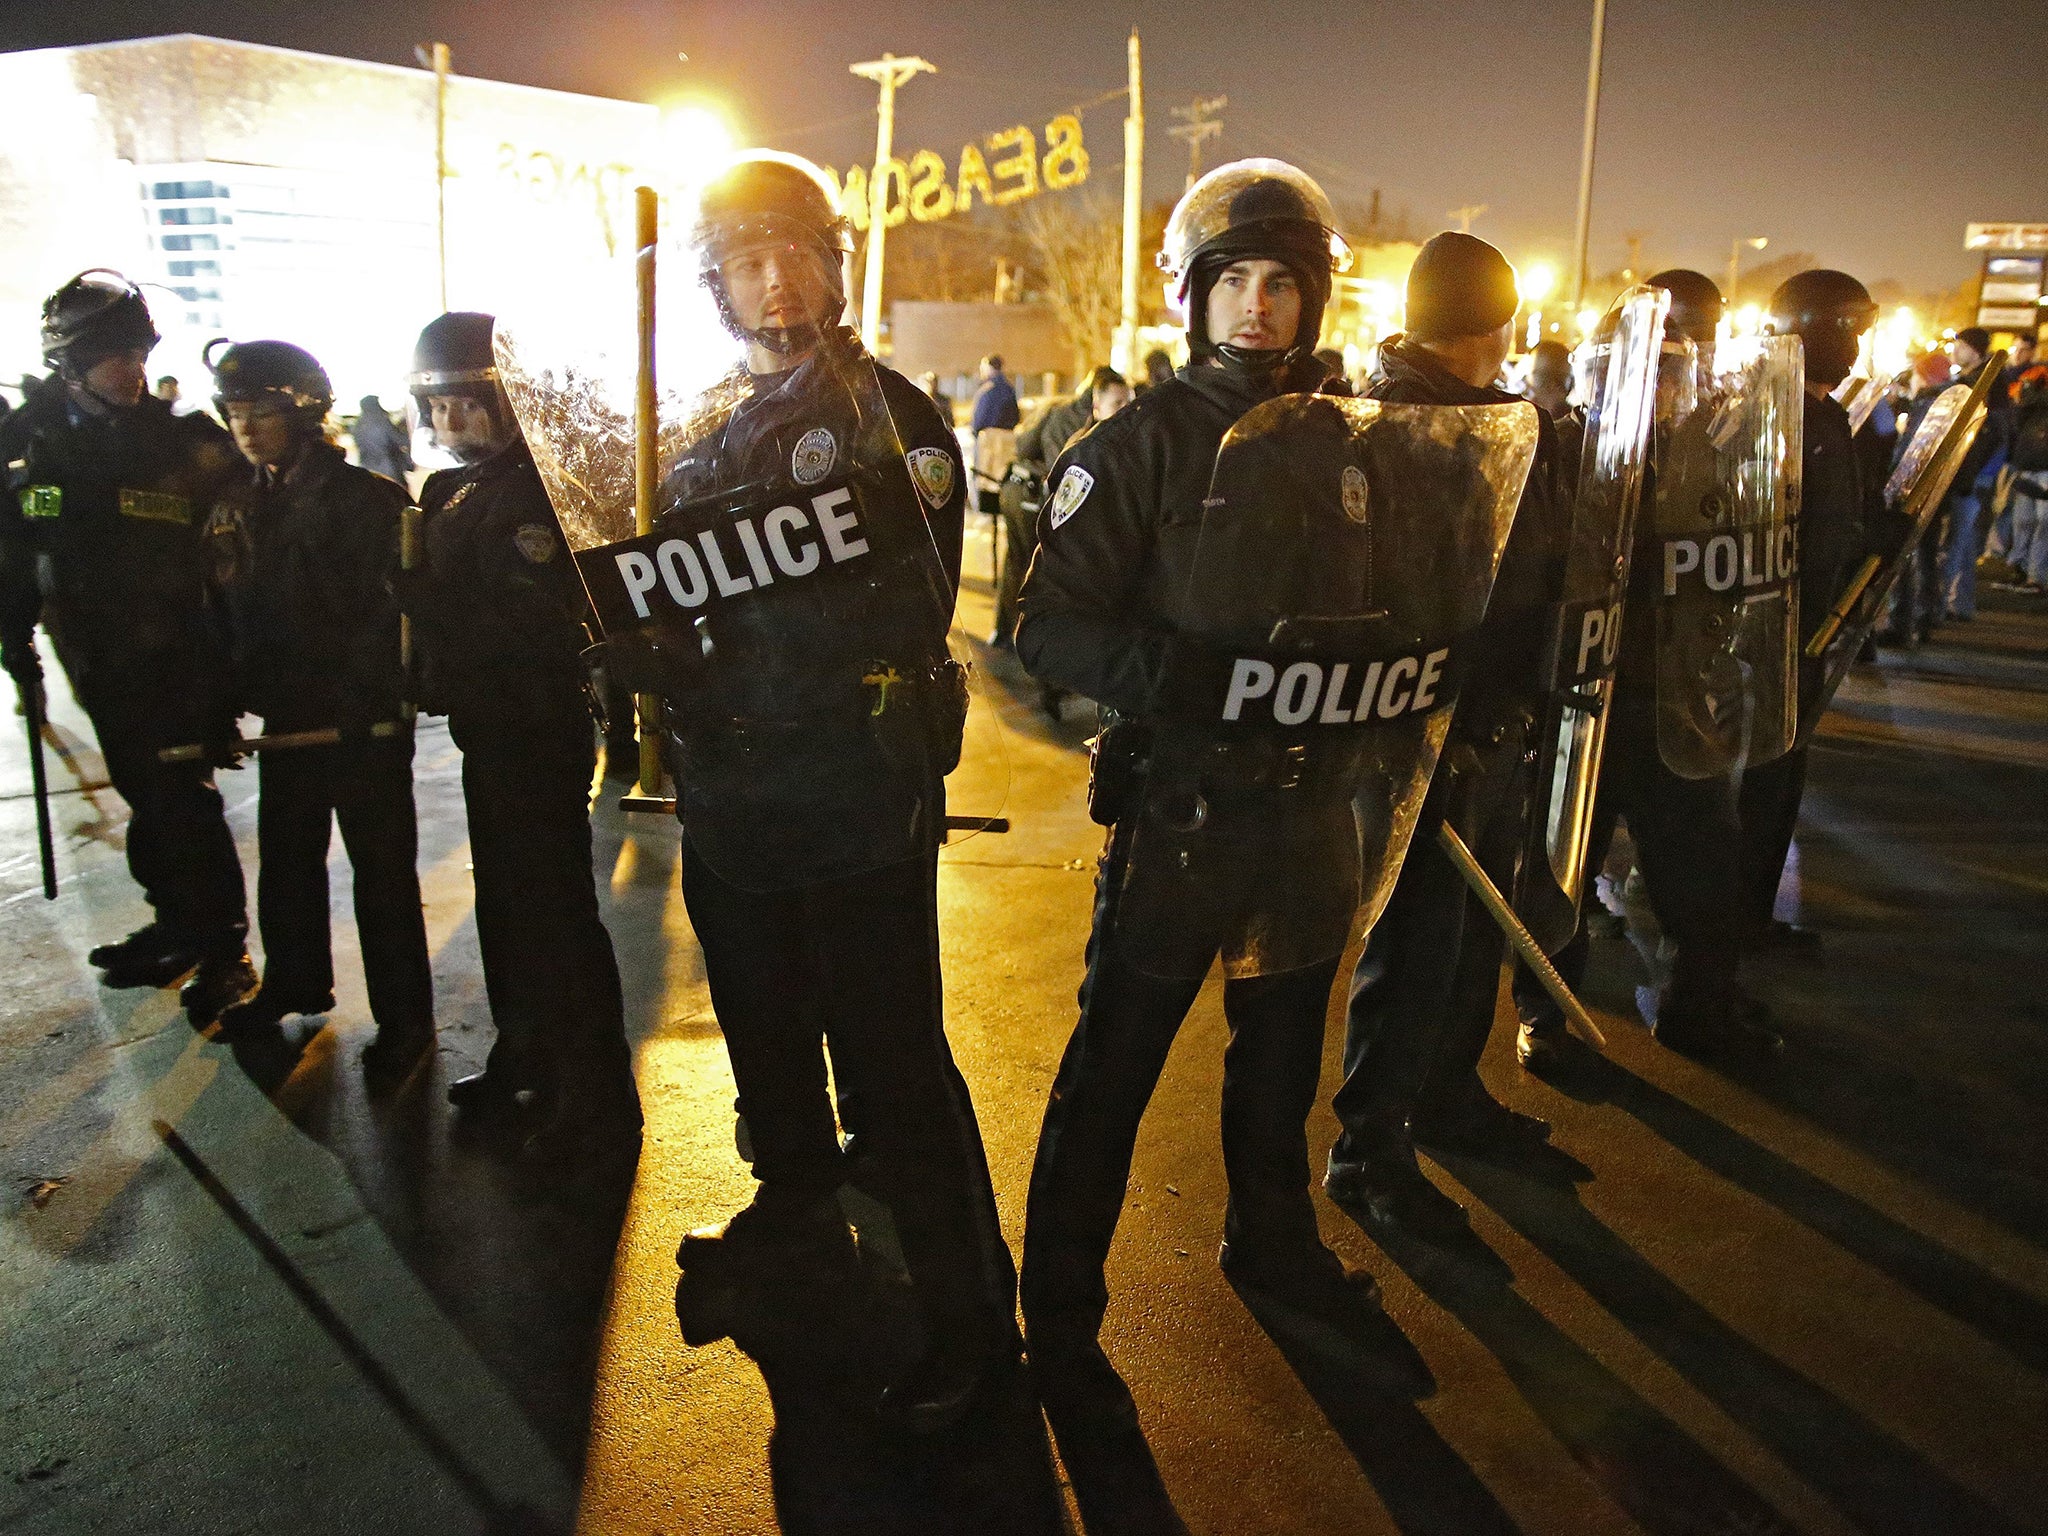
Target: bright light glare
[
  {"x": 694, "y": 139},
  {"x": 1536, "y": 282},
  {"x": 1588, "y": 318}
]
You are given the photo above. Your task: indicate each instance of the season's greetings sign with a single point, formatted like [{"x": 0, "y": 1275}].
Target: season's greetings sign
[{"x": 1005, "y": 168}]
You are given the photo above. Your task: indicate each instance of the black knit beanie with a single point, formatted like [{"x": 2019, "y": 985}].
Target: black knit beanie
[{"x": 1459, "y": 286}]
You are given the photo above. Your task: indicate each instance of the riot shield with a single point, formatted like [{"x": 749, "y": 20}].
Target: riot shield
[
  {"x": 789, "y": 603},
  {"x": 1619, "y": 415},
  {"x": 1726, "y": 509},
  {"x": 1335, "y": 577},
  {"x": 1912, "y": 496}
]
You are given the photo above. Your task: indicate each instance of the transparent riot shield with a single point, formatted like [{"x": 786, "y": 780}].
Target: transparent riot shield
[
  {"x": 1912, "y": 495},
  {"x": 1336, "y": 575},
  {"x": 1726, "y": 509},
  {"x": 789, "y": 603},
  {"x": 1619, "y": 414}
]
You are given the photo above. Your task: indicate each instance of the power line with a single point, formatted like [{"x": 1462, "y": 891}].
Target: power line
[{"x": 1200, "y": 122}]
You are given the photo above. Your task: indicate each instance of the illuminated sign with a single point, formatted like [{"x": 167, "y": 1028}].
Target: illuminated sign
[
  {"x": 2005, "y": 237},
  {"x": 925, "y": 188}
]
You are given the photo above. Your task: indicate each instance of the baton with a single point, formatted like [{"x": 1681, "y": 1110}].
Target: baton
[
  {"x": 328, "y": 736},
  {"x": 646, "y": 448},
  {"x": 32, "y": 712},
  {"x": 1524, "y": 942},
  {"x": 1838, "y": 615}
]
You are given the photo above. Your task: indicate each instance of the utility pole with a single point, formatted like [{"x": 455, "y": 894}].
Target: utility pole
[
  {"x": 888, "y": 72},
  {"x": 1199, "y": 124},
  {"x": 1126, "y": 349},
  {"x": 1586, "y": 156},
  {"x": 434, "y": 56},
  {"x": 1467, "y": 214}
]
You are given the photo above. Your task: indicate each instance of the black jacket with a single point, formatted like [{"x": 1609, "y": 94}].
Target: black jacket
[
  {"x": 1040, "y": 443},
  {"x": 498, "y": 608},
  {"x": 304, "y": 565},
  {"x": 1094, "y": 615},
  {"x": 1832, "y": 510},
  {"x": 111, "y": 508},
  {"x": 1507, "y": 677}
]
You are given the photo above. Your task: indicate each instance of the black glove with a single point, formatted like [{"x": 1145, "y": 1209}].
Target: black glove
[{"x": 19, "y": 660}]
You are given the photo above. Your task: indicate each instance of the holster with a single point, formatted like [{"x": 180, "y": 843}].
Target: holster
[{"x": 1118, "y": 758}]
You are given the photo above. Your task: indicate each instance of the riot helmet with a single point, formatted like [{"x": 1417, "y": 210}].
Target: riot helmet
[
  {"x": 453, "y": 357},
  {"x": 91, "y": 318},
  {"x": 763, "y": 202},
  {"x": 1696, "y": 306},
  {"x": 275, "y": 371},
  {"x": 1252, "y": 210},
  {"x": 1828, "y": 311}
]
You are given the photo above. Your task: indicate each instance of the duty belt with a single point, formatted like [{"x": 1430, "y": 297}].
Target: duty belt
[{"x": 1257, "y": 763}]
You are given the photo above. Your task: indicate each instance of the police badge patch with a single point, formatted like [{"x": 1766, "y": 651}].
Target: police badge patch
[
  {"x": 932, "y": 469},
  {"x": 536, "y": 543},
  {"x": 1354, "y": 493},
  {"x": 814, "y": 456},
  {"x": 1075, "y": 485}
]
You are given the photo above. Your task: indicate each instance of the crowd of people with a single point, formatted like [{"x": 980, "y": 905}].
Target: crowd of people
[{"x": 189, "y": 573}]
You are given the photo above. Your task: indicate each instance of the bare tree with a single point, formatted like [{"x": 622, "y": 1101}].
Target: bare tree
[{"x": 1076, "y": 255}]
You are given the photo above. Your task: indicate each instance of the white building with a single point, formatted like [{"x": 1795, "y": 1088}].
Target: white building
[{"x": 263, "y": 192}]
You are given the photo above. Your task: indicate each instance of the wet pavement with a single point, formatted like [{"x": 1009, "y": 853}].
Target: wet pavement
[{"x": 238, "y": 1293}]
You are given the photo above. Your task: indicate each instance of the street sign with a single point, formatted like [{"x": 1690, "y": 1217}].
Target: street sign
[{"x": 2005, "y": 237}]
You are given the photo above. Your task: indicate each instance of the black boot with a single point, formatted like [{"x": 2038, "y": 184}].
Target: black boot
[
  {"x": 395, "y": 1054},
  {"x": 148, "y": 940},
  {"x": 217, "y": 988},
  {"x": 1542, "y": 1044},
  {"x": 591, "y": 1129},
  {"x": 1481, "y": 1126},
  {"x": 166, "y": 957},
  {"x": 1384, "y": 1189},
  {"x": 1731, "y": 1027},
  {"x": 938, "y": 1388},
  {"x": 272, "y": 1005},
  {"x": 779, "y": 1243}
]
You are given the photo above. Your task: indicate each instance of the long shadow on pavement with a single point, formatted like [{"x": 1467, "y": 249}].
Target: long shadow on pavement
[
  {"x": 1881, "y": 1484},
  {"x": 1666, "y": 1481},
  {"x": 1952, "y": 1282},
  {"x": 1366, "y": 1389}
]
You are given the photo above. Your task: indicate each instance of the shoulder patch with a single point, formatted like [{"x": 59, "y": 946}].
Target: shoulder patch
[
  {"x": 932, "y": 470},
  {"x": 1356, "y": 505},
  {"x": 816, "y": 451},
  {"x": 536, "y": 543},
  {"x": 1074, "y": 487}
]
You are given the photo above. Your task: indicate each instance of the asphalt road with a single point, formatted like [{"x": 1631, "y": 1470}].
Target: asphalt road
[{"x": 237, "y": 1294}]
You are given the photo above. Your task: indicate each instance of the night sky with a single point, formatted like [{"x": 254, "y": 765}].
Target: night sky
[{"x": 1866, "y": 135}]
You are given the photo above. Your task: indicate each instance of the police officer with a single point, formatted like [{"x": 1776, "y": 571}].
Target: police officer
[
  {"x": 1686, "y": 832},
  {"x": 303, "y": 552},
  {"x": 499, "y": 615},
  {"x": 1828, "y": 311},
  {"x": 809, "y": 736},
  {"x": 1251, "y": 250},
  {"x": 101, "y": 541},
  {"x": 1422, "y": 995}
]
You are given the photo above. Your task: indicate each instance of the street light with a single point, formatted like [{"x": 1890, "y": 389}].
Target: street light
[{"x": 1755, "y": 243}]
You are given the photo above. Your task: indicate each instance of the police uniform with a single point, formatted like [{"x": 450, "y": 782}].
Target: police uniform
[
  {"x": 1102, "y": 613},
  {"x": 304, "y": 562},
  {"x": 499, "y": 617},
  {"x": 1832, "y": 508},
  {"x": 1423, "y": 991},
  {"x": 101, "y": 541},
  {"x": 851, "y": 961}
]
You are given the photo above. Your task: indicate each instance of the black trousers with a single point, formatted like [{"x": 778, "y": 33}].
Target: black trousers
[
  {"x": 1688, "y": 841},
  {"x": 367, "y": 789},
  {"x": 853, "y": 965},
  {"x": 549, "y": 970},
  {"x": 1106, "y": 1078},
  {"x": 1018, "y": 533},
  {"x": 180, "y": 850},
  {"x": 1424, "y": 989},
  {"x": 1769, "y": 807}
]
